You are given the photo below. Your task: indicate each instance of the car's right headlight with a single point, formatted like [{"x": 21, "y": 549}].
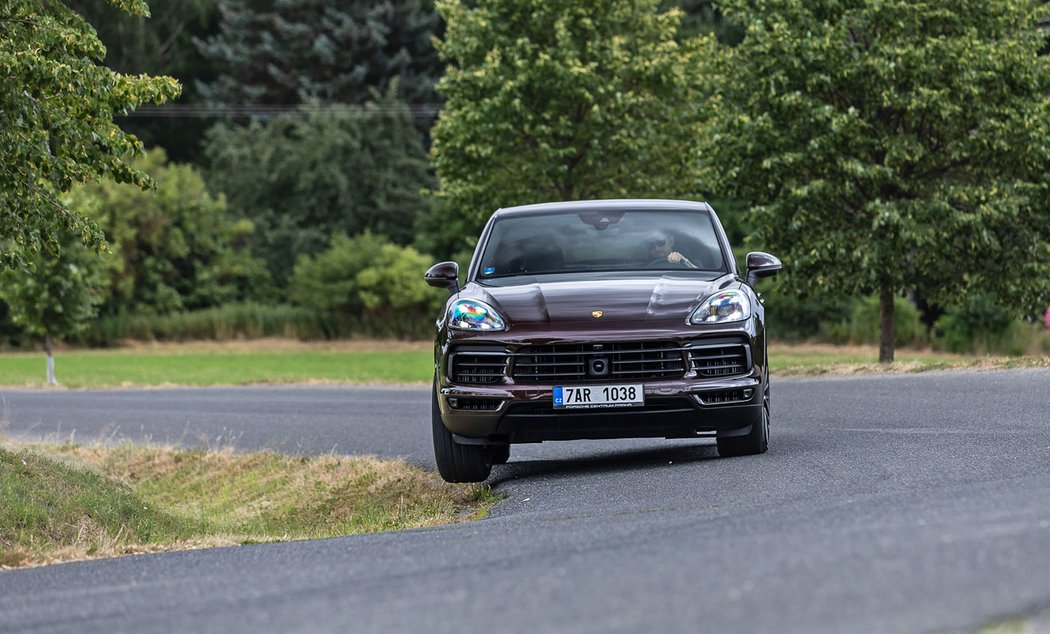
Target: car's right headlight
[
  {"x": 471, "y": 314},
  {"x": 722, "y": 307}
]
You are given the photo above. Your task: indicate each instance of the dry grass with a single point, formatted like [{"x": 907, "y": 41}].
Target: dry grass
[
  {"x": 76, "y": 502},
  {"x": 813, "y": 359}
]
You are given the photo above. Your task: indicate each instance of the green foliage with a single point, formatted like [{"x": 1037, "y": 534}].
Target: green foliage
[
  {"x": 162, "y": 44},
  {"x": 327, "y": 282},
  {"x": 57, "y": 104},
  {"x": 298, "y": 51},
  {"x": 979, "y": 325},
  {"x": 791, "y": 318},
  {"x": 369, "y": 279},
  {"x": 243, "y": 320},
  {"x": 392, "y": 287},
  {"x": 863, "y": 324},
  {"x": 55, "y": 295},
  {"x": 159, "y": 42},
  {"x": 553, "y": 100},
  {"x": 899, "y": 145},
  {"x": 702, "y": 17},
  {"x": 176, "y": 248},
  {"x": 308, "y": 176}
]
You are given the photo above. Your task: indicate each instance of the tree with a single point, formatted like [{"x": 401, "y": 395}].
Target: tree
[
  {"x": 162, "y": 44},
  {"x": 307, "y": 176},
  {"x": 704, "y": 16},
  {"x": 57, "y": 104},
  {"x": 555, "y": 100},
  {"x": 891, "y": 146},
  {"x": 55, "y": 295},
  {"x": 176, "y": 248},
  {"x": 292, "y": 52}
]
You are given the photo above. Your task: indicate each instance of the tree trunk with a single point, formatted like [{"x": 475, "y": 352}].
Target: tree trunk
[
  {"x": 50, "y": 361},
  {"x": 886, "y": 325}
]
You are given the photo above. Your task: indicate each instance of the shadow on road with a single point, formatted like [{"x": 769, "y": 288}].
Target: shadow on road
[{"x": 604, "y": 462}]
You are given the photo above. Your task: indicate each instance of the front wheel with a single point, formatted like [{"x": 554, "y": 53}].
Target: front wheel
[
  {"x": 755, "y": 442},
  {"x": 456, "y": 462}
]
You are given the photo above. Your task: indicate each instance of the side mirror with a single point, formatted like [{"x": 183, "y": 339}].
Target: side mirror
[
  {"x": 761, "y": 264},
  {"x": 444, "y": 275}
]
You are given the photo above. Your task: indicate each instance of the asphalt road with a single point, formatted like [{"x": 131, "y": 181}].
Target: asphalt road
[{"x": 910, "y": 503}]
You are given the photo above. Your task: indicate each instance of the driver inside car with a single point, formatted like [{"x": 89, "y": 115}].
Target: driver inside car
[{"x": 661, "y": 251}]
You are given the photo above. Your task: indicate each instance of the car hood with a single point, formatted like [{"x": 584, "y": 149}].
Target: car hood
[{"x": 620, "y": 300}]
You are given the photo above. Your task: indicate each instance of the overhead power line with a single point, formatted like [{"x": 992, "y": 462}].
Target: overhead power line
[{"x": 201, "y": 111}]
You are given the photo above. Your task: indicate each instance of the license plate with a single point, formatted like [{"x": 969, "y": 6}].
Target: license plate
[{"x": 588, "y": 396}]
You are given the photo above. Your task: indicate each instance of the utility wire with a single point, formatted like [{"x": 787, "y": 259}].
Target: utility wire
[{"x": 202, "y": 111}]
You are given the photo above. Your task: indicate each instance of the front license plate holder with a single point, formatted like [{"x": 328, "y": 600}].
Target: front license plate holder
[{"x": 599, "y": 396}]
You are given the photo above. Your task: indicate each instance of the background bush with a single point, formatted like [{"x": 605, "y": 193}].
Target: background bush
[
  {"x": 979, "y": 326},
  {"x": 172, "y": 249},
  {"x": 250, "y": 321},
  {"x": 862, "y": 327},
  {"x": 371, "y": 280},
  {"x": 791, "y": 318}
]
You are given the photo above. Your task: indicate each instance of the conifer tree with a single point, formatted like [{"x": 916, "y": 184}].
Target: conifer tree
[{"x": 286, "y": 53}]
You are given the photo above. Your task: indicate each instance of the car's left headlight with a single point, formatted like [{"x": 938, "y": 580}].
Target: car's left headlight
[
  {"x": 470, "y": 314},
  {"x": 723, "y": 306}
]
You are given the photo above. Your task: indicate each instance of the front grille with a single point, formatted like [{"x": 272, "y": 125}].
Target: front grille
[
  {"x": 482, "y": 367},
  {"x": 640, "y": 360},
  {"x": 720, "y": 358}
]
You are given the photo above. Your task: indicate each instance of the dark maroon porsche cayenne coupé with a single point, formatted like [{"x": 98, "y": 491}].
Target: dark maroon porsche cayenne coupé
[{"x": 599, "y": 319}]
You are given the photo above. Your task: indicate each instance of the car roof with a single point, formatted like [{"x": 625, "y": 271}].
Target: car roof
[{"x": 620, "y": 204}]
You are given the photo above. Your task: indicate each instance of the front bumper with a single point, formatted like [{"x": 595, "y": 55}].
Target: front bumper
[
  {"x": 673, "y": 409},
  {"x": 682, "y": 407}
]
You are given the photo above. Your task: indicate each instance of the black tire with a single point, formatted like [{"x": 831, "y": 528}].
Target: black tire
[
  {"x": 456, "y": 462},
  {"x": 755, "y": 442},
  {"x": 500, "y": 454}
]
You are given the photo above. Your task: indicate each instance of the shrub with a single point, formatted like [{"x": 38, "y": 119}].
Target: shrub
[
  {"x": 368, "y": 281},
  {"x": 393, "y": 292},
  {"x": 176, "y": 248},
  {"x": 327, "y": 282},
  {"x": 792, "y": 318},
  {"x": 862, "y": 327},
  {"x": 978, "y": 325},
  {"x": 232, "y": 321},
  {"x": 957, "y": 331}
]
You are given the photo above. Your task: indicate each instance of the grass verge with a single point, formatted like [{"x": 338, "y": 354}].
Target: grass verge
[
  {"x": 275, "y": 361},
  {"x": 822, "y": 359},
  {"x": 272, "y": 361},
  {"x": 70, "y": 502}
]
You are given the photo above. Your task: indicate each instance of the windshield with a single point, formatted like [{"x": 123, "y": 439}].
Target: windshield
[{"x": 601, "y": 241}]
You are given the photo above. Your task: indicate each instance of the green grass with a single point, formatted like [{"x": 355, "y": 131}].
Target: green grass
[
  {"x": 285, "y": 361},
  {"x": 120, "y": 367},
  {"x": 71, "y": 502}
]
